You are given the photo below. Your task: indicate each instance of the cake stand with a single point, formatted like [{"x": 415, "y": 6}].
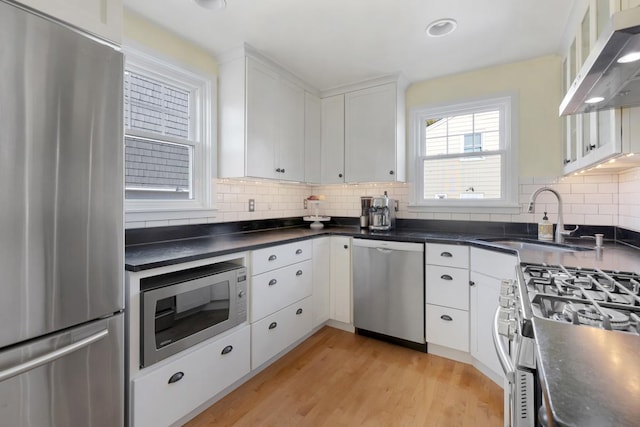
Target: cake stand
[{"x": 316, "y": 219}]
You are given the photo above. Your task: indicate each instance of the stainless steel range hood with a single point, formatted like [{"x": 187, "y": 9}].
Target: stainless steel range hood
[{"x": 602, "y": 75}]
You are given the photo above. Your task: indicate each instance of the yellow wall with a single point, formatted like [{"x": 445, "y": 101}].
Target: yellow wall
[
  {"x": 142, "y": 32},
  {"x": 538, "y": 85}
]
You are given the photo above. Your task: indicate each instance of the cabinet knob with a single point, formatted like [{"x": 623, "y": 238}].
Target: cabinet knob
[
  {"x": 591, "y": 147},
  {"x": 390, "y": 172},
  {"x": 272, "y": 257},
  {"x": 273, "y": 325},
  {"x": 176, "y": 377},
  {"x": 299, "y": 311},
  {"x": 227, "y": 350},
  {"x": 567, "y": 161},
  {"x": 446, "y": 277},
  {"x": 278, "y": 170},
  {"x": 272, "y": 282},
  {"x": 339, "y": 175},
  {"x": 298, "y": 251},
  {"x": 472, "y": 283},
  {"x": 446, "y": 254},
  {"x": 446, "y": 317},
  {"x": 346, "y": 246},
  {"x": 282, "y": 170},
  {"x": 299, "y": 273}
]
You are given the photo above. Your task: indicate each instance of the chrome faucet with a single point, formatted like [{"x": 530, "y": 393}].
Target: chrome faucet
[{"x": 560, "y": 231}]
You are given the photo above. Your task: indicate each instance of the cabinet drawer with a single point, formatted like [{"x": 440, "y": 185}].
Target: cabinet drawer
[
  {"x": 447, "y": 255},
  {"x": 274, "y": 290},
  {"x": 494, "y": 264},
  {"x": 447, "y": 286},
  {"x": 268, "y": 259},
  {"x": 273, "y": 334},
  {"x": 206, "y": 372},
  {"x": 447, "y": 327}
]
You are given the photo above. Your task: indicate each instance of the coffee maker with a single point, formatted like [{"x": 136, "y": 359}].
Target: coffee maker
[{"x": 382, "y": 214}]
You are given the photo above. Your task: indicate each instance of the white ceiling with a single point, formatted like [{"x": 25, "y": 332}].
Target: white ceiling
[{"x": 330, "y": 43}]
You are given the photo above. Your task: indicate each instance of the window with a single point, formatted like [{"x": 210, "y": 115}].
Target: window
[
  {"x": 465, "y": 155},
  {"x": 167, "y": 124}
]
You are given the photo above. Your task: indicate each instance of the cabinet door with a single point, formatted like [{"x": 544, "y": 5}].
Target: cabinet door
[
  {"x": 484, "y": 302},
  {"x": 100, "y": 17},
  {"x": 312, "y": 146},
  {"x": 370, "y": 134},
  {"x": 321, "y": 279},
  {"x": 290, "y": 156},
  {"x": 341, "y": 304},
  {"x": 332, "y": 140},
  {"x": 262, "y": 120},
  {"x": 160, "y": 399}
]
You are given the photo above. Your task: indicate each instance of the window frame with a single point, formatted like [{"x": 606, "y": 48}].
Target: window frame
[
  {"x": 508, "y": 204},
  {"x": 202, "y": 91}
]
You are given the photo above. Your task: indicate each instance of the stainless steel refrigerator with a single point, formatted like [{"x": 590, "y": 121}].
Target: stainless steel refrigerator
[{"x": 61, "y": 225}]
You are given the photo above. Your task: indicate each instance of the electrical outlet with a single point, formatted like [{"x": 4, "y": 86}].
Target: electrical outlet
[
  {"x": 252, "y": 205},
  {"x": 305, "y": 203}
]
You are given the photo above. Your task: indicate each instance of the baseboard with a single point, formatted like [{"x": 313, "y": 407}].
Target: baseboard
[
  {"x": 341, "y": 325},
  {"x": 449, "y": 353}
]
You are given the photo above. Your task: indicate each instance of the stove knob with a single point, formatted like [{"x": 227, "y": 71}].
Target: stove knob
[
  {"x": 507, "y": 328},
  {"x": 507, "y": 314},
  {"x": 507, "y": 287},
  {"x": 506, "y": 301}
]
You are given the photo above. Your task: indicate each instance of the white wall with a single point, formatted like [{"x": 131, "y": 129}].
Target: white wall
[{"x": 629, "y": 199}]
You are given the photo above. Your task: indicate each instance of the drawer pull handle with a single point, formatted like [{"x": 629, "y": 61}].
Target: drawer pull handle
[
  {"x": 299, "y": 311},
  {"x": 446, "y": 277},
  {"x": 227, "y": 350},
  {"x": 176, "y": 377},
  {"x": 299, "y": 273},
  {"x": 346, "y": 246},
  {"x": 446, "y": 317},
  {"x": 273, "y": 325},
  {"x": 272, "y": 257},
  {"x": 272, "y": 282},
  {"x": 472, "y": 283},
  {"x": 298, "y": 251},
  {"x": 446, "y": 254}
]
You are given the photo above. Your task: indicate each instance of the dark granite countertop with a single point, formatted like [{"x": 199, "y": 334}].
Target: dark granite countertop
[{"x": 591, "y": 377}]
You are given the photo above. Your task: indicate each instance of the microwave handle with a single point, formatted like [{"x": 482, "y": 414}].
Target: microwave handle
[{"x": 503, "y": 354}]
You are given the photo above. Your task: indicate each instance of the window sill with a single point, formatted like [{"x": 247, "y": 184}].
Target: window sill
[
  {"x": 168, "y": 215},
  {"x": 505, "y": 208}
]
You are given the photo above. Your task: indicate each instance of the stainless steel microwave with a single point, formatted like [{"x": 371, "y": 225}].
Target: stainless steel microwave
[{"x": 183, "y": 308}]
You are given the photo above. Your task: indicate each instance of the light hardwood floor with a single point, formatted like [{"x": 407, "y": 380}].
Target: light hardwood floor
[{"x": 336, "y": 378}]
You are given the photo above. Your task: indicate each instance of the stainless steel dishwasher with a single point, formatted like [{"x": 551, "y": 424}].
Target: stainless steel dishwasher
[{"x": 388, "y": 291}]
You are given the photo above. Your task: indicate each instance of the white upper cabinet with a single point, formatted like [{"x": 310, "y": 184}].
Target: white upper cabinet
[
  {"x": 363, "y": 132},
  {"x": 374, "y": 149},
  {"x": 262, "y": 120},
  {"x": 312, "y": 138},
  {"x": 102, "y": 18},
  {"x": 594, "y": 138},
  {"x": 332, "y": 136}
]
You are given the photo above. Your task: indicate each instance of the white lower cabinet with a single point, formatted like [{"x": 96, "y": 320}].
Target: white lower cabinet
[
  {"x": 274, "y": 290},
  {"x": 341, "y": 304},
  {"x": 447, "y": 327},
  {"x": 164, "y": 395},
  {"x": 276, "y": 332},
  {"x": 321, "y": 280}
]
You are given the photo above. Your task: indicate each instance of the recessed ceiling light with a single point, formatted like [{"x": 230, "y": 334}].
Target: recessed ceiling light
[
  {"x": 594, "y": 100},
  {"x": 631, "y": 57},
  {"x": 212, "y": 4},
  {"x": 441, "y": 27}
]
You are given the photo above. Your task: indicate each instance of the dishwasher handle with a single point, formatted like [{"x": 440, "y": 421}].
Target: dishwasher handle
[
  {"x": 384, "y": 250},
  {"x": 389, "y": 245}
]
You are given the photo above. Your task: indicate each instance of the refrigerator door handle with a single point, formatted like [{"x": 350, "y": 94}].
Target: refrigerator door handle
[{"x": 50, "y": 357}]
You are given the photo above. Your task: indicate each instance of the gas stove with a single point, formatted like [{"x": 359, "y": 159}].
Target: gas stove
[{"x": 592, "y": 297}]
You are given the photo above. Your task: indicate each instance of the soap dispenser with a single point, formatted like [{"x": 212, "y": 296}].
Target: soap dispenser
[{"x": 545, "y": 229}]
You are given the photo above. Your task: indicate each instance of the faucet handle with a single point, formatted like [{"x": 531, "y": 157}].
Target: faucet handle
[{"x": 568, "y": 232}]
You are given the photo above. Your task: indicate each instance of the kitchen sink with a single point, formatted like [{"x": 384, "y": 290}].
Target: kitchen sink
[{"x": 532, "y": 245}]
